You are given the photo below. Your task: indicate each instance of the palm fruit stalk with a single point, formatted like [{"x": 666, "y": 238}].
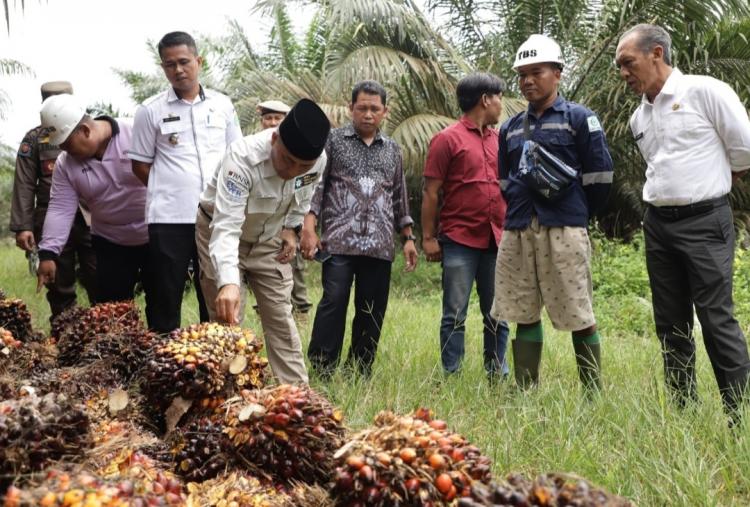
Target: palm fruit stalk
[
  {"x": 77, "y": 328},
  {"x": 203, "y": 361},
  {"x": 236, "y": 489},
  {"x": 549, "y": 490},
  {"x": 15, "y": 317},
  {"x": 290, "y": 432},
  {"x": 35, "y": 431},
  {"x": 66, "y": 489},
  {"x": 407, "y": 460}
]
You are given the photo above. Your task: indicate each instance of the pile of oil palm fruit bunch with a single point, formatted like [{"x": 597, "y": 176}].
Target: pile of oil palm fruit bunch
[
  {"x": 37, "y": 430},
  {"x": 549, "y": 490},
  {"x": 105, "y": 413},
  {"x": 202, "y": 362},
  {"x": 408, "y": 460}
]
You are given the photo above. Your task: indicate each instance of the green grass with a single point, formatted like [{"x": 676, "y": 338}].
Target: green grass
[{"x": 631, "y": 440}]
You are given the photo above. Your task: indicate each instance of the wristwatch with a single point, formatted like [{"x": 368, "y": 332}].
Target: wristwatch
[{"x": 409, "y": 237}]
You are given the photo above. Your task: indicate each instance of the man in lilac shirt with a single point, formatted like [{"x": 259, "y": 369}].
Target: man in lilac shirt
[{"x": 95, "y": 170}]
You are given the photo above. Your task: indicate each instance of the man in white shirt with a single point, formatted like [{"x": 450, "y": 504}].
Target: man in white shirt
[
  {"x": 247, "y": 226},
  {"x": 694, "y": 134},
  {"x": 179, "y": 138}
]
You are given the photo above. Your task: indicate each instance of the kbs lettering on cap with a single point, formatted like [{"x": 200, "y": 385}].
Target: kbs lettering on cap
[{"x": 527, "y": 53}]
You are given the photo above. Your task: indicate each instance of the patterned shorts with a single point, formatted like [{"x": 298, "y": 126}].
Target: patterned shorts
[{"x": 548, "y": 266}]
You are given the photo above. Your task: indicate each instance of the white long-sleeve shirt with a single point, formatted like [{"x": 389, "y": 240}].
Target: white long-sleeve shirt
[
  {"x": 250, "y": 202},
  {"x": 693, "y": 135}
]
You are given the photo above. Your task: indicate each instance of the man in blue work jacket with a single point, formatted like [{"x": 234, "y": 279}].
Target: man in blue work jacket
[{"x": 555, "y": 173}]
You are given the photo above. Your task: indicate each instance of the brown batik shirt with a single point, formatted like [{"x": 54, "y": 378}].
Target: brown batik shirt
[{"x": 361, "y": 200}]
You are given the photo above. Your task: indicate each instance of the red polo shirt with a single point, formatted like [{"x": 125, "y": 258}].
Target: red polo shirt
[{"x": 465, "y": 160}]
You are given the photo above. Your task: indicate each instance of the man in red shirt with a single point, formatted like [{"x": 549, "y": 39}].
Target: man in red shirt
[{"x": 462, "y": 165}]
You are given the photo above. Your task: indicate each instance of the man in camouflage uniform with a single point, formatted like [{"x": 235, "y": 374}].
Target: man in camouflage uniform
[{"x": 31, "y": 188}]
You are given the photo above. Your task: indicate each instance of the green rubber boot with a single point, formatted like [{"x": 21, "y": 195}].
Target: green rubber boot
[
  {"x": 526, "y": 359},
  {"x": 588, "y": 359}
]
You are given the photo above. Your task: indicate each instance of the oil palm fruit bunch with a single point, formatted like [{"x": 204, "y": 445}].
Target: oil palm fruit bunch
[
  {"x": 548, "y": 490},
  {"x": 79, "y": 328},
  {"x": 407, "y": 460},
  {"x": 289, "y": 431},
  {"x": 236, "y": 489},
  {"x": 78, "y": 382},
  {"x": 87, "y": 489},
  {"x": 202, "y": 361},
  {"x": 16, "y": 318},
  {"x": 37, "y": 430},
  {"x": 201, "y": 451},
  {"x": 8, "y": 348}
]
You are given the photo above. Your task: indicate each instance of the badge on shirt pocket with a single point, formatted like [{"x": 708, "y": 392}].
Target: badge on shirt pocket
[
  {"x": 173, "y": 125},
  {"x": 304, "y": 180}
]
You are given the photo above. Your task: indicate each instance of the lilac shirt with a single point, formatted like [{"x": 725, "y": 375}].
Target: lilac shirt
[{"x": 108, "y": 187}]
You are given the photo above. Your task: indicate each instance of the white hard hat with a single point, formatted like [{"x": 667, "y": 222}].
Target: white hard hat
[
  {"x": 538, "y": 49},
  {"x": 60, "y": 115}
]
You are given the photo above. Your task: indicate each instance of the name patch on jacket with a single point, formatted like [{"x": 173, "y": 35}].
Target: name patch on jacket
[{"x": 304, "y": 180}]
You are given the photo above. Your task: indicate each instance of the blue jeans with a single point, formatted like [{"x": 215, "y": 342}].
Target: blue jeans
[{"x": 462, "y": 265}]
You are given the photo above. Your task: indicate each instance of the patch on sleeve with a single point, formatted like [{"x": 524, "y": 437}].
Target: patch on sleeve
[
  {"x": 594, "y": 125},
  {"x": 304, "y": 180},
  {"x": 24, "y": 150},
  {"x": 236, "y": 186}
]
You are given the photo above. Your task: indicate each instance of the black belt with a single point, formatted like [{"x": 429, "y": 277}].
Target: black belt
[
  {"x": 674, "y": 213},
  {"x": 205, "y": 213}
]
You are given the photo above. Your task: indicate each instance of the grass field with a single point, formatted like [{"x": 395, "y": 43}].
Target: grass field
[{"x": 630, "y": 440}]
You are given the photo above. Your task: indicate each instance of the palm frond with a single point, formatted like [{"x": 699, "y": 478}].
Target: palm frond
[
  {"x": 10, "y": 67},
  {"x": 414, "y": 134}
]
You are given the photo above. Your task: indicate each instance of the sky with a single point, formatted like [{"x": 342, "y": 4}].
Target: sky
[{"x": 81, "y": 41}]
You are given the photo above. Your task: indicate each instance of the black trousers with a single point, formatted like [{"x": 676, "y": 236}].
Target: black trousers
[
  {"x": 690, "y": 262},
  {"x": 76, "y": 261},
  {"x": 372, "y": 279},
  {"x": 118, "y": 269},
  {"x": 171, "y": 250}
]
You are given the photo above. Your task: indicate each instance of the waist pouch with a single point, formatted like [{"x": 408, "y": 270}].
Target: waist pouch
[{"x": 543, "y": 172}]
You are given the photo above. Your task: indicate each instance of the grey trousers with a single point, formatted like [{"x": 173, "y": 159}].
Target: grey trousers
[{"x": 690, "y": 262}]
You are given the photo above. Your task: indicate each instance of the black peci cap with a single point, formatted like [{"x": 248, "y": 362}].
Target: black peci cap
[{"x": 304, "y": 130}]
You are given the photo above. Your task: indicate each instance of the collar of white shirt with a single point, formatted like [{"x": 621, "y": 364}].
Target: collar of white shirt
[
  {"x": 669, "y": 87},
  {"x": 172, "y": 96}
]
